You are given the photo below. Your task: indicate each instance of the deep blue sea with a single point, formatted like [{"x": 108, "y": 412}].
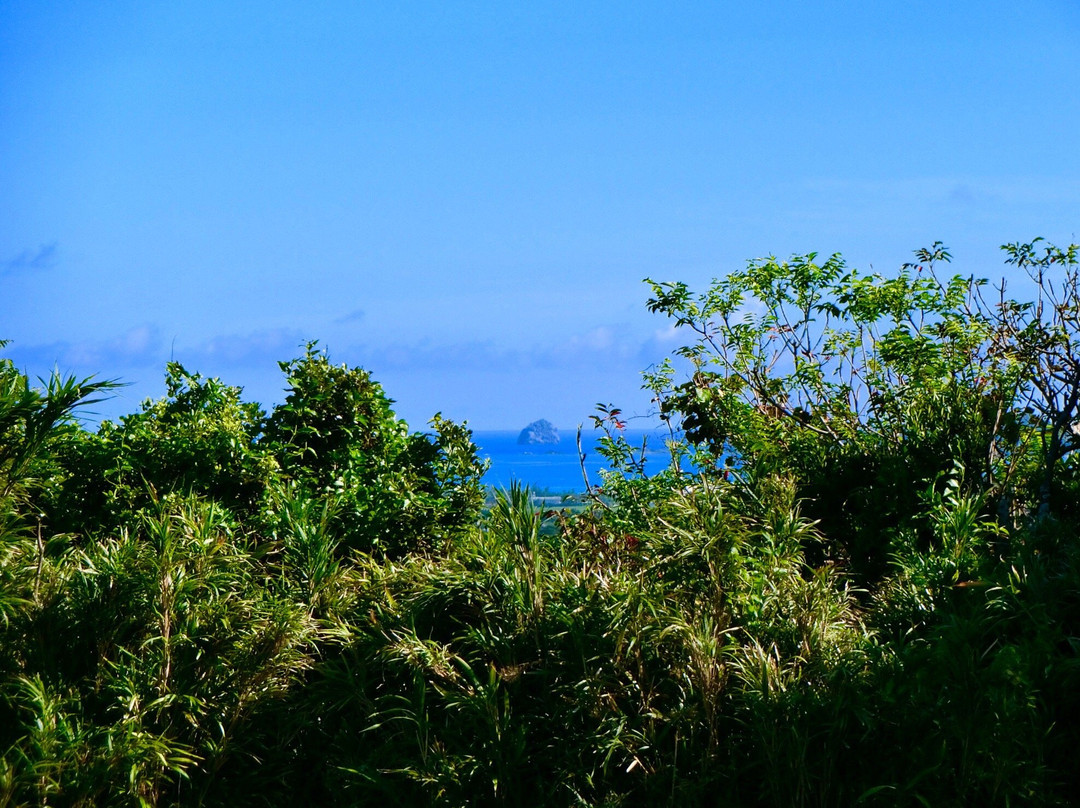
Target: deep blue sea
[{"x": 556, "y": 467}]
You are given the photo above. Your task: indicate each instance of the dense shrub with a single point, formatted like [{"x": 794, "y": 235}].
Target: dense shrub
[
  {"x": 198, "y": 440},
  {"x": 393, "y": 490},
  {"x": 866, "y": 593}
]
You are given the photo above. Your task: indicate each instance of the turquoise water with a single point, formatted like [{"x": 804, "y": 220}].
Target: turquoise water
[{"x": 558, "y": 467}]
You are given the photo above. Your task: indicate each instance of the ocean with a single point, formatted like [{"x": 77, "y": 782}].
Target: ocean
[{"x": 556, "y": 468}]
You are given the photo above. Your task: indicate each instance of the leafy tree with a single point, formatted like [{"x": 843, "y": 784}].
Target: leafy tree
[
  {"x": 868, "y": 388},
  {"x": 337, "y": 436},
  {"x": 1043, "y": 338},
  {"x": 199, "y": 439}
]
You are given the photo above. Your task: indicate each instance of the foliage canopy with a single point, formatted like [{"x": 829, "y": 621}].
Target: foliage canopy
[{"x": 864, "y": 594}]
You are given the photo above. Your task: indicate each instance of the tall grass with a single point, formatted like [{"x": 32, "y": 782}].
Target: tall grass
[{"x": 685, "y": 640}]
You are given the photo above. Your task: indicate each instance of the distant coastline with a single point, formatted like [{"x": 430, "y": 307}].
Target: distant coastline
[{"x": 556, "y": 467}]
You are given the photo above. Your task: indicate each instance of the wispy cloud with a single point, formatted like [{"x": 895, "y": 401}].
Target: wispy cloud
[
  {"x": 140, "y": 346},
  {"x": 140, "y": 353},
  {"x": 43, "y": 258},
  {"x": 243, "y": 350},
  {"x": 670, "y": 335},
  {"x": 355, "y": 316},
  {"x": 601, "y": 347}
]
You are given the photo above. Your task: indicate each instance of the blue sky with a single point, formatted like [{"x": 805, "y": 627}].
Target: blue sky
[{"x": 464, "y": 197}]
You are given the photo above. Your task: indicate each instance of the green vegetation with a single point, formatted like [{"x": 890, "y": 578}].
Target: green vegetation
[{"x": 867, "y": 592}]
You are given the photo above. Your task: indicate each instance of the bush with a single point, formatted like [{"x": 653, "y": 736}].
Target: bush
[{"x": 393, "y": 491}]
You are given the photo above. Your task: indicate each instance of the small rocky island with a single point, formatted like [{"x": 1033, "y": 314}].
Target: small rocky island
[{"x": 539, "y": 433}]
